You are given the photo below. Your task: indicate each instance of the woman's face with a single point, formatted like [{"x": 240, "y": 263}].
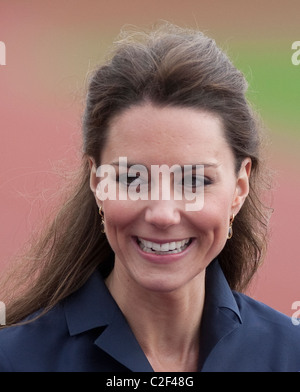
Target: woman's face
[{"x": 159, "y": 244}]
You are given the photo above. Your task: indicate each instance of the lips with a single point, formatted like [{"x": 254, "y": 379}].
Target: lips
[{"x": 163, "y": 248}]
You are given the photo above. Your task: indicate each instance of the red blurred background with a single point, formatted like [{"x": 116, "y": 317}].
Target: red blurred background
[{"x": 51, "y": 46}]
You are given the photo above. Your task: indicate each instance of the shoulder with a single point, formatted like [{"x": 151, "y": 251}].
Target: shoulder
[
  {"x": 273, "y": 333},
  {"x": 66, "y": 338},
  {"x": 253, "y": 312},
  {"x": 19, "y": 344}
]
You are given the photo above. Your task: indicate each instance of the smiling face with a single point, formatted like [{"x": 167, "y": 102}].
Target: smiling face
[{"x": 158, "y": 244}]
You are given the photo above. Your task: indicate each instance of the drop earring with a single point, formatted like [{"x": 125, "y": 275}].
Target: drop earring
[
  {"x": 230, "y": 231},
  {"x": 102, "y": 219}
]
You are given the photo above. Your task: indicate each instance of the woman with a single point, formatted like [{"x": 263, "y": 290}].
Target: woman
[{"x": 131, "y": 282}]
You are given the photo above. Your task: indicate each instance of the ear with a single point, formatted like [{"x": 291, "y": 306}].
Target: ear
[
  {"x": 94, "y": 180},
  {"x": 242, "y": 185}
]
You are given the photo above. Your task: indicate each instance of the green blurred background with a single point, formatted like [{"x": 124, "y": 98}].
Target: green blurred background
[{"x": 52, "y": 45}]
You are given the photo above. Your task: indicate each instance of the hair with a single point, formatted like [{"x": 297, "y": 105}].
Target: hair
[{"x": 167, "y": 66}]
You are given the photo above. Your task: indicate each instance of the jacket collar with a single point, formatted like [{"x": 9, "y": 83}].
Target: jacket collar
[
  {"x": 218, "y": 293},
  {"x": 221, "y": 314},
  {"x": 92, "y": 306}
]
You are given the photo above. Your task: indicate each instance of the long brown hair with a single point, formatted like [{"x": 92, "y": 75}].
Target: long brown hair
[{"x": 167, "y": 66}]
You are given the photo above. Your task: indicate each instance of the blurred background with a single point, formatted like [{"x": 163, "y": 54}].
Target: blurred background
[{"x": 51, "y": 45}]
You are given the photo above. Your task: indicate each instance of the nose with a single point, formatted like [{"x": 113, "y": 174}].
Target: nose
[{"x": 162, "y": 213}]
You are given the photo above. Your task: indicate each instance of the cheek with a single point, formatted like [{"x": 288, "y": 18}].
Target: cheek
[
  {"x": 214, "y": 217},
  {"x": 119, "y": 215},
  {"x": 212, "y": 231},
  {"x": 117, "y": 218}
]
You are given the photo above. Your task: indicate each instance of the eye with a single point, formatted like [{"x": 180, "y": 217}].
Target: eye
[
  {"x": 128, "y": 179},
  {"x": 193, "y": 181}
]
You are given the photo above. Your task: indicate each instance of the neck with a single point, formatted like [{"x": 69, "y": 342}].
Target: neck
[{"x": 166, "y": 324}]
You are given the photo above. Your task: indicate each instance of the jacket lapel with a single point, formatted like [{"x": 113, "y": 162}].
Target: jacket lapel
[
  {"x": 221, "y": 315},
  {"x": 119, "y": 342},
  {"x": 92, "y": 306}
]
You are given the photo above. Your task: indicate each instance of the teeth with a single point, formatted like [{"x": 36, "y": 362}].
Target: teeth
[{"x": 167, "y": 247}]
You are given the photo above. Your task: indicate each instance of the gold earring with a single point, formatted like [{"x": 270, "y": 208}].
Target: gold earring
[
  {"x": 102, "y": 219},
  {"x": 230, "y": 231}
]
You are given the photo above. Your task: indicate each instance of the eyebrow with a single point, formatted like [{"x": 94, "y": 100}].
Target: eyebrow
[{"x": 192, "y": 165}]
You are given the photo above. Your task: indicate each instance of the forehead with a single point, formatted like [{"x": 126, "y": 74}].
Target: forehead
[{"x": 157, "y": 135}]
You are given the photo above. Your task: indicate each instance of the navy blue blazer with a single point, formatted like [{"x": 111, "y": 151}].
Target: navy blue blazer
[{"x": 87, "y": 332}]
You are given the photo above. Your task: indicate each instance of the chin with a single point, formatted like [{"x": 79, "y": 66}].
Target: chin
[{"x": 164, "y": 286}]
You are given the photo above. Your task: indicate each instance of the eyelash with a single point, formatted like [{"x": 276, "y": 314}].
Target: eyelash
[
  {"x": 205, "y": 181},
  {"x": 129, "y": 180}
]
